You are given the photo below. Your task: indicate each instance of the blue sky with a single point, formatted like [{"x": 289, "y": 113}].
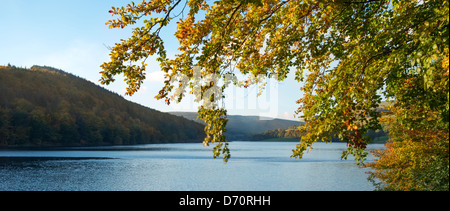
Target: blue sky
[{"x": 72, "y": 36}]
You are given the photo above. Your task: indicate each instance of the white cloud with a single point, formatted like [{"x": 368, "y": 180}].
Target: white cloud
[
  {"x": 287, "y": 115},
  {"x": 157, "y": 76}
]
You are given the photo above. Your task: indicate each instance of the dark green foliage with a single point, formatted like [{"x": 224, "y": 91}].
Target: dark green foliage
[{"x": 43, "y": 106}]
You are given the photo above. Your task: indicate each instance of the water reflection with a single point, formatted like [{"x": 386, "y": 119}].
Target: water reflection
[{"x": 253, "y": 166}]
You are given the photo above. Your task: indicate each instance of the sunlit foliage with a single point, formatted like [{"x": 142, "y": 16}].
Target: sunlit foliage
[{"x": 349, "y": 55}]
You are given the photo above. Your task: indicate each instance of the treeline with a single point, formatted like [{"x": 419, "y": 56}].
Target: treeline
[
  {"x": 43, "y": 106},
  {"x": 294, "y": 132},
  {"x": 290, "y": 132}
]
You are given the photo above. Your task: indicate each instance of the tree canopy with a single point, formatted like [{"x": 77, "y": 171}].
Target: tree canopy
[{"x": 349, "y": 55}]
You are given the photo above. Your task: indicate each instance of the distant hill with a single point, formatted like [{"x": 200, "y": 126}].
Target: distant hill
[
  {"x": 44, "y": 106},
  {"x": 245, "y": 127}
]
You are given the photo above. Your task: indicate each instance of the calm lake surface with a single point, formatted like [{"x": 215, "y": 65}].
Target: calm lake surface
[{"x": 254, "y": 166}]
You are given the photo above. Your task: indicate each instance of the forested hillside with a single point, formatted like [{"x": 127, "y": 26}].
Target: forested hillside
[
  {"x": 43, "y": 106},
  {"x": 293, "y": 131},
  {"x": 245, "y": 127},
  {"x": 378, "y": 136}
]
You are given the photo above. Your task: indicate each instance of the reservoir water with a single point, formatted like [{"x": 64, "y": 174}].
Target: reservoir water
[{"x": 254, "y": 166}]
